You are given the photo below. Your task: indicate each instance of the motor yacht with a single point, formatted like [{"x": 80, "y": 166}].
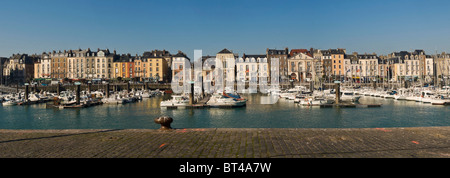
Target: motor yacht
[
  {"x": 177, "y": 100},
  {"x": 226, "y": 100},
  {"x": 349, "y": 96}
]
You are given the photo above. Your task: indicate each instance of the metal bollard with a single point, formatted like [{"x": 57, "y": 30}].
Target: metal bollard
[{"x": 165, "y": 122}]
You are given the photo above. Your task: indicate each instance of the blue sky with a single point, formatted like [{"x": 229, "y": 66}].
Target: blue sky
[{"x": 246, "y": 26}]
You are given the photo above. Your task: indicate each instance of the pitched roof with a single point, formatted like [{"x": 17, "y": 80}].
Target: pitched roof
[
  {"x": 352, "y": 57},
  {"x": 253, "y": 55},
  {"x": 419, "y": 52},
  {"x": 156, "y": 54},
  {"x": 367, "y": 56},
  {"x": 296, "y": 51},
  {"x": 180, "y": 54},
  {"x": 224, "y": 51},
  {"x": 126, "y": 58},
  {"x": 277, "y": 52},
  {"x": 337, "y": 51}
]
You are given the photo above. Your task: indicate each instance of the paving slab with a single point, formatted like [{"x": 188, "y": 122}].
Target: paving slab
[{"x": 415, "y": 142}]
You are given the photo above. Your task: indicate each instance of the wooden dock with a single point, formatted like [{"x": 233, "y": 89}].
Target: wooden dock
[
  {"x": 197, "y": 106},
  {"x": 348, "y": 105},
  {"x": 200, "y": 104}
]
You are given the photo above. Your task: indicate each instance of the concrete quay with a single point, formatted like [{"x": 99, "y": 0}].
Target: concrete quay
[{"x": 421, "y": 142}]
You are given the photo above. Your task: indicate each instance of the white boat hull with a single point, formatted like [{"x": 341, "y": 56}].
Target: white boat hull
[
  {"x": 438, "y": 102},
  {"x": 350, "y": 98},
  {"x": 228, "y": 104},
  {"x": 410, "y": 98},
  {"x": 9, "y": 103},
  {"x": 400, "y": 97},
  {"x": 172, "y": 104}
]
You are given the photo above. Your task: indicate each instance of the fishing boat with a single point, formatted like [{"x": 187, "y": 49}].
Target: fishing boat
[
  {"x": 390, "y": 95},
  {"x": 287, "y": 94},
  {"x": 9, "y": 102},
  {"x": 114, "y": 100},
  {"x": 290, "y": 94},
  {"x": 226, "y": 100},
  {"x": 299, "y": 98},
  {"x": 401, "y": 94},
  {"x": 34, "y": 98},
  {"x": 438, "y": 101},
  {"x": 411, "y": 97},
  {"x": 427, "y": 97},
  {"x": 400, "y": 97},
  {"x": 315, "y": 101},
  {"x": 274, "y": 91},
  {"x": 349, "y": 96},
  {"x": 176, "y": 101}
]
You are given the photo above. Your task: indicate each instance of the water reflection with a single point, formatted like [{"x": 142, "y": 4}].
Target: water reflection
[{"x": 282, "y": 114}]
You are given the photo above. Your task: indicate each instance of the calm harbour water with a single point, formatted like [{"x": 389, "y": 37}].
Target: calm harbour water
[{"x": 283, "y": 114}]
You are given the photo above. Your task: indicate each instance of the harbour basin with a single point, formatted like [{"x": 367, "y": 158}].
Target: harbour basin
[{"x": 282, "y": 114}]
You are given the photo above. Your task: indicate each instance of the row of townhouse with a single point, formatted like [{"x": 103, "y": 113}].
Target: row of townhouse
[
  {"x": 102, "y": 64},
  {"x": 86, "y": 64},
  {"x": 335, "y": 64},
  {"x": 293, "y": 65}
]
